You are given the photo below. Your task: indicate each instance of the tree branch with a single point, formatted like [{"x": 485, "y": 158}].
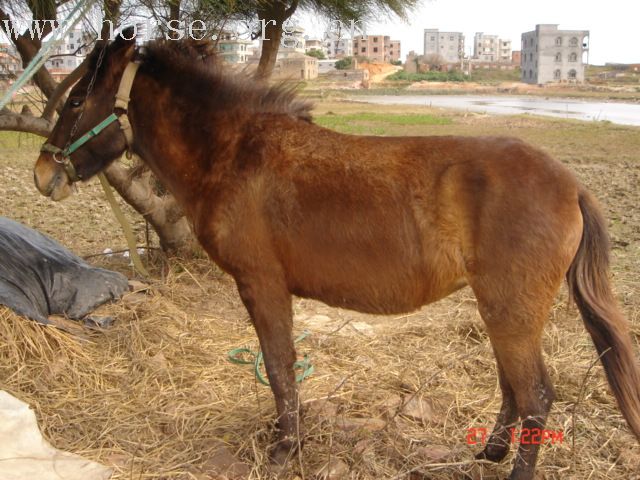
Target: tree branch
[
  {"x": 25, "y": 123},
  {"x": 58, "y": 94}
]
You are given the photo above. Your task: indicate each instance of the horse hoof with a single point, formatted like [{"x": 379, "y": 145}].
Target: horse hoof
[
  {"x": 282, "y": 453},
  {"x": 495, "y": 454}
]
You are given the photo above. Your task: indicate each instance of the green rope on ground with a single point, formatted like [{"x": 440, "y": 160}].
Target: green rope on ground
[{"x": 304, "y": 365}]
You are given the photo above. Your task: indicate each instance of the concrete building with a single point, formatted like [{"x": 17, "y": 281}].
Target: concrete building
[
  {"x": 233, "y": 49},
  {"x": 504, "y": 51},
  {"x": 491, "y": 48},
  {"x": 339, "y": 47},
  {"x": 327, "y": 65},
  {"x": 552, "y": 55},
  {"x": 516, "y": 57},
  {"x": 296, "y": 67},
  {"x": 10, "y": 62},
  {"x": 70, "y": 54},
  {"x": 376, "y": 48},
  {"x": 312, "y": 44},
  {"x": 448, "y": 45},
  {"x": 485, "y": 47},
  {"x": 394, "y": 51},
  {"x": 292, "y": 42}
]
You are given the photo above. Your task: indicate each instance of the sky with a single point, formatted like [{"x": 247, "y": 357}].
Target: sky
[{"x": 613, "y": 24}]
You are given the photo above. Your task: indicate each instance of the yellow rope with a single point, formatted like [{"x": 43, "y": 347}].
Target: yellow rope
[{"x": 126, "y": 227}]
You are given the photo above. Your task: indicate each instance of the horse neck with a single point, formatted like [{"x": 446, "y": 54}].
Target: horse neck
[{"x": 182, "y": 153}]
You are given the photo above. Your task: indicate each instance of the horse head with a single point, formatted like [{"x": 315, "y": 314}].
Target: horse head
[{"x": 91, "y": 130}]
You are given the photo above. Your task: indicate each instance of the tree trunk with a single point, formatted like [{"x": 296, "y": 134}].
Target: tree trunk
[
  {"x": 159, "y": 209},
  {"x": 162, "y": 213},
  {"x": 273, "y": 14}
]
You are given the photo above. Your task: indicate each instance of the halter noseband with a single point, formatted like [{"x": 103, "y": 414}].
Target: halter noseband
[{"x": 122, "y": 103}]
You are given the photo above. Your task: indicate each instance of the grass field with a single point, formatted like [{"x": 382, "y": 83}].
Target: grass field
[{"x": 155, "y": 397}]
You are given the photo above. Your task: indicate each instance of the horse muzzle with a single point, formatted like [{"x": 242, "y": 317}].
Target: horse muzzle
[{"x": 51, "y": 179}]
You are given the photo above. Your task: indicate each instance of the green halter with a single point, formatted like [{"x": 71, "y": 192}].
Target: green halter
[
  {"x": 65, "y": 154},
  {"x": 122, "y": 102}
]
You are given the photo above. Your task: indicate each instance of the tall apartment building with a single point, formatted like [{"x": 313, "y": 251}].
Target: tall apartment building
[
  {"x": 449, "y": 45},
  {"x": 233, "y": 49},
  {"x": 339, "y": 47},
  {"x": 394, "y": 51},
  {"x": 70, "y": 54},
  {"x": 377, "y": 48},
  {"x": 552, "y": 55},
  {"x": 10, "y": 62},
  {"x": 505, "y": 54},
  {"x": 491, "y": 48}
]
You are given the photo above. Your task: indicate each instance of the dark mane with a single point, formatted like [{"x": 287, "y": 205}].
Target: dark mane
[{"x": 196, "y": 65}]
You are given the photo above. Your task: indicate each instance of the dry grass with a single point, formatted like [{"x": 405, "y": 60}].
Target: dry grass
[{"x": 154, "y": 396}]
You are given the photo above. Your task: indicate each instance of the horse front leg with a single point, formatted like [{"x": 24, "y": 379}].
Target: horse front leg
[{"x": 269, "y": 304}]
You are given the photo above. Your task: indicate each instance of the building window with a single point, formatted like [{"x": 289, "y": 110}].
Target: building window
[
  {"x": 559, "y": 41},
  {"x": 451, "y": 38},
  {"x": 573, "y": 57},
  {"x": 530, "y": 73},
  {"x": 558, "y": 57},
  {"x": 375, "y": 49},
  {"x": 557, "y": 75},
  {"x": 364, "y": 50},
  {"x": 572, "y": 74},
  {"x": 433, "y": 39},
  {"x": 573, "y": 42},
  {"x": 375, "y": 39}
]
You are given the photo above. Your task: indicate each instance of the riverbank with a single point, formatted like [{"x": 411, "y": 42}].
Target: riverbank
[
  {"x": 622, "y": 113},
  {"x": 610, "y": 92}
]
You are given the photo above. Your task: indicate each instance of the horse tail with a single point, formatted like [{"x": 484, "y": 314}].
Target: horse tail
[{"x": 589, "y": 286}]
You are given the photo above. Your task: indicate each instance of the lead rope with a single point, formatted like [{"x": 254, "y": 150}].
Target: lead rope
[
  {"x": 127, "y": 230},
  {"x": 257, "y": 360}
]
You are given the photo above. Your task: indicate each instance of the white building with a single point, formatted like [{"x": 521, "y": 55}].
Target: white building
[
  {"x": 491, "y": 48},
  {"x": 448, "y": 45},
  {"x": 312, "y": 44},
  {"x": 552, "y": 55},
  {"x": 233, "y": 49},
  {"x": 67, "y": 56},
  {"x": 339, "y": 47}
]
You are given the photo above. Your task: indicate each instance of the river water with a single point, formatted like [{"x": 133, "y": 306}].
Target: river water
[{"x": 616, "y": 112}]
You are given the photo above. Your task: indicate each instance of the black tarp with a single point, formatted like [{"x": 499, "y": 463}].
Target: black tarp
[{"x": 39, "y": 277}]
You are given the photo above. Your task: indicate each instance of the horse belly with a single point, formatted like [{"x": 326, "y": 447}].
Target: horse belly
[{"x": 379, "y": 277}]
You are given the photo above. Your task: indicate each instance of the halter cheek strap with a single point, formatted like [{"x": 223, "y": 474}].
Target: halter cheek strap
[{"x": 122, "y": 102}]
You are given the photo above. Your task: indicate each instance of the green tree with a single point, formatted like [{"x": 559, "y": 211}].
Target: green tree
[
  {"x": 344, "y": 63},
  {"x": 272, "y": 16},
  {"x": 319, "y": 54}
]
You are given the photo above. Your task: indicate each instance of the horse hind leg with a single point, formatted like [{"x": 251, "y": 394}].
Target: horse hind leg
[
  {"x": 515, "y": 322},
  {"x": 497, "y": 447}
]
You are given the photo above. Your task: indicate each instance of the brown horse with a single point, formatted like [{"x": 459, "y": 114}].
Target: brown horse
[{"x": 380, "y": 225}]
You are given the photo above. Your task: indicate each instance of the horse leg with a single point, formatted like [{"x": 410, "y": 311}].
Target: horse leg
[
  {"x": 269, "y": 305},
  {"x": 497, "y": 446},
  {"x": 515, "y": 327}
]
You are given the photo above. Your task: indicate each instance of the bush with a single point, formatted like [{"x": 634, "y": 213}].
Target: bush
[
  {"x": 428, "y": 76},
  {"x": 319, "y": 54},
  {"x": 344, "y": 63}
]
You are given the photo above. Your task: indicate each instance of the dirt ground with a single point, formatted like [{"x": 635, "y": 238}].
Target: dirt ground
[{"x": 155, "y": 396}]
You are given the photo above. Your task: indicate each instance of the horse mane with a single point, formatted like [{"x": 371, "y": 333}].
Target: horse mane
[{"x": 197, "y": 70}]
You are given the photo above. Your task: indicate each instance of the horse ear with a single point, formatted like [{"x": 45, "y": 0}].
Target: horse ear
[{"x": 126, "y": 38}]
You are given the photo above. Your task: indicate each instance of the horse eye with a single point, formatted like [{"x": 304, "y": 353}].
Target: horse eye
[{"x": 75, "y": 102}]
